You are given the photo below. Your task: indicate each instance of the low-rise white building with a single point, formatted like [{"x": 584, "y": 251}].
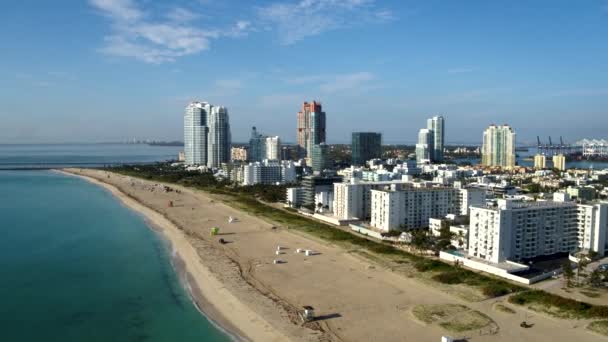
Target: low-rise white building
[
  {"x": 409, "y": 207},
  {"x": 352, "y": 200},
  {"x": 514, "y": 230},
  {"x": 269, "y": 172}
]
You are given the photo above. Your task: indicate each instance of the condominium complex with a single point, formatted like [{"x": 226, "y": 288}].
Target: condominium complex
[
  {"x": 559, "y": 162},
  {"x": 513, "y": 230},
  {"x": 425, "y": 146},
  {"x": 263, "y": 147},
  {"x": 365, "y": 146},
  {"x": 269, "y": 172},
  {"x": 407, "y": 207},
  {"x": 436, "y": 125},
  {"x": 593, "y": 227},
  {"x": 206, "y": 135},
  {"x": 352, "y": 200},
  {"x": 196, "y": 133},
  {"x": 273, "y": 148},
  {"x": 540, "y": 161},
  {"x": 311, "y": 127},
  {"x": 218, "y": 145},
  {"x": 498, "y": 146}
]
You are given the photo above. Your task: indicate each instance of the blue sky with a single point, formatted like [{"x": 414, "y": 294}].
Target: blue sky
[{"x": 107, "y": 70}]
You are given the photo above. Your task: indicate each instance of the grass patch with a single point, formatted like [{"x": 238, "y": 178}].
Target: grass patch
[
  {"x": 600, "y": 327},
  {"x": 453, "y": 317},
  {"x": 558, "y": 306},
  {"x": 504, "y": 308}
]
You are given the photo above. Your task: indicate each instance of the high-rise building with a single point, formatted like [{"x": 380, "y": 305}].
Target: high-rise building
[
  {"x": 436, "y": 125},
  {"x": 262, "y": 147},
  {"x": 424, "y": 147},
  {"x": 311, "y": 127},
  {"x": 320, "y": 157},
  {"x": 257, "y": 146},
  {"x": 196, "y": 133},
  {"x": 219, "y": 141},
  {"x": 273, "y": 148},
  {"x": 365, "y": 146},
  {"x": 540, "y": 161},
  {"x": 498, "y": 146},
  {"x": 559, "y": 162}
]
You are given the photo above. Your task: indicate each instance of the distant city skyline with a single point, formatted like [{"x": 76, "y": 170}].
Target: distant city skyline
[{"x": 132, "y": 65}]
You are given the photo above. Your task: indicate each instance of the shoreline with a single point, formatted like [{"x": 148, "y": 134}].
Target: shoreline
[{"x": 208, "y": 294}]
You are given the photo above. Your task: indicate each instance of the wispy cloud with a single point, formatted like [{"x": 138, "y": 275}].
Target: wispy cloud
[
  {"x": 304, "y": 18},
  {"x": 135, "y": 34}
]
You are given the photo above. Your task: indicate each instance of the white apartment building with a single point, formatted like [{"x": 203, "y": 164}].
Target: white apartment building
[
  {"x": 470, "y": 197},
  {"x": 273, "y": 148},
  {"x": 352, "y": 200},
  {"x": 269, "y": 172},
  {"x": 411, "y": 207},
  {"x": 593, "y": 227},
  {"x": 514, "y": 230},
  {"x": 295, "y": 197}
]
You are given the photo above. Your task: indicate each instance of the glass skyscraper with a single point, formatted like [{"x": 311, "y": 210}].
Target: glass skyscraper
[
  {"x": 436, "y": 125},
  {"x": 196, "y": 133},
  {"x": 219, "y": 142},
  {"x": 365, "y": 146}
]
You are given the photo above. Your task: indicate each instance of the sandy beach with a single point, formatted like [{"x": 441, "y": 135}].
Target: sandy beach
[{"x": 238, "y": 285}]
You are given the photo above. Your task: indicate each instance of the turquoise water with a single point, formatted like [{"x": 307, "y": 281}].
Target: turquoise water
[{"x": 75, "y": 265}]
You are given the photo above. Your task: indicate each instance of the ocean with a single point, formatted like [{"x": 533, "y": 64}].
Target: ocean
[
  {"x": 82, "y": 155},
  {"x": 76, "y": 265}
]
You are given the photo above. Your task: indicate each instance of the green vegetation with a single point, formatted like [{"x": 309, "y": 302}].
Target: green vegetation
[
  {"x": 248, "y": 200},
  {"x": 453, "y": 317},
  {"x": 558, "y": 306},
  {"x": 600, "y": 327}
]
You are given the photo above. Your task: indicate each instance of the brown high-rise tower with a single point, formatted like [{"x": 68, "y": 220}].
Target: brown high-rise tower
[{"x": 311, "y": 127}]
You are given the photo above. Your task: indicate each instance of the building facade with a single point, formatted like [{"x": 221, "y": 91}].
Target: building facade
[
  {"x": 593, "y": 227},
  {"x": 196, "y": 133},
  {"x": 311, "y": 127},
  {"x": 540, "y": 161},
  {"x": 239, "y": 154},
  {"x": 436, "y": 125},
  {"x": 219, "y": 142},
  {"x": 273, "y": 148},
  {"x": 498, "y": 146},
  {"x": 269, "y": 172},
  {"x": 559, "y": 162},
  {"x": 365, "y": 146},
  {"x": 425, "y": 146},
  {"x": 411, "y": 207},
  {"x": 514, "y": 230},
  {"x": 320, "y": 158}
]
